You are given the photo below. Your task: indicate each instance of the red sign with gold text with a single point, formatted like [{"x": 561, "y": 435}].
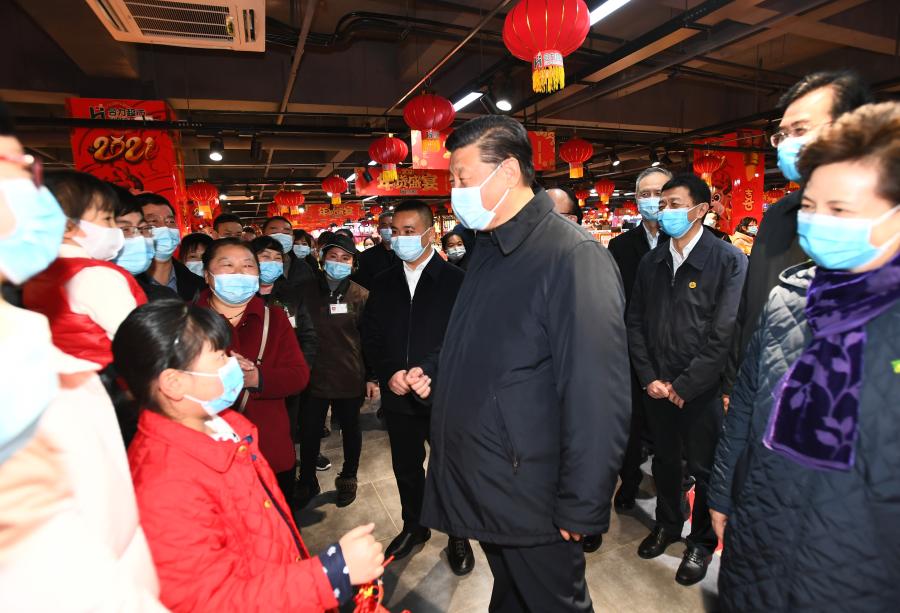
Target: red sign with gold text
[
  {"x": 738, "y": 185},
  {"x": 543, "y": 145},
  {"x": 320, "y": 216},
  {"x": 410, "y": 182},
  {"x": 142, "y": 160}
]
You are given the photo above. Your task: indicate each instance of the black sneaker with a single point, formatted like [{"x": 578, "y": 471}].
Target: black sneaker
[
  {"x": 303, "y": 494},
  {"x": 346, "y": 490},
  {"x": 322, "y": 463}
]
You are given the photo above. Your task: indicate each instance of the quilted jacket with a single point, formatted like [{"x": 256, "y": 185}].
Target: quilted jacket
[
  {"x": 798, "y": 539},
  {"x": 220, "y": 532}
]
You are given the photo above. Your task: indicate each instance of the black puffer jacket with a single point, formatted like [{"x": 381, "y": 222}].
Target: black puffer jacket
[{"x": 799, "y": 539}]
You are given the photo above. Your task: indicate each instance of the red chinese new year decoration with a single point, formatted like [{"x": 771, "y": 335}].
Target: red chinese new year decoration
[
  {"x": 375, "y": 210},
  {"x": 335, "y": 186},
  {"x": 582, "y": 195},
  {"x": 791, "y": 187},
  {"x": 430, "y": 114},
  {"x": 774, "y": 195},
  {"x": 604, "y": 188},
  {"x": 543, "y": 32},
  {"x": 576, "y": 151},
  {"x": 388, "y": 151},
  {"x": 205, "y": 196},
  {"x": 706, "y": 165}
]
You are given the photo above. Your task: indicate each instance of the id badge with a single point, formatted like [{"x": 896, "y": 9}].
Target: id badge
[{"x": 339, "y": 309}]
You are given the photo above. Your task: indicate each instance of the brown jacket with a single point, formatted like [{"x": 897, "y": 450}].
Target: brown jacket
[{"x": 339, "y": 371}]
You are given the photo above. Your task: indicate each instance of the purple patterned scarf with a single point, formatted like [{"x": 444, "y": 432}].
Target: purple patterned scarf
[{"x": 815, "y": 419}]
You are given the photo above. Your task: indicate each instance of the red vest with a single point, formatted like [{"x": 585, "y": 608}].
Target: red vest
[{"x": 74, "y": 334}]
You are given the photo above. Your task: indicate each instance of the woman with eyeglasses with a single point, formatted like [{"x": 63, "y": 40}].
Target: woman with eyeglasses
[{"x": 265, "y": 345}]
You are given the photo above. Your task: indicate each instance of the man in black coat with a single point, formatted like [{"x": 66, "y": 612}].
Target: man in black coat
[
  {"x": 680, "y": 322},
  {"x": 405, "y": 319},
  {"x": 628, "y": 249},
  {"x": 379, "y": 258},
  {"x": 532, "y": 401},
  {"x": 166, "y": 271}
]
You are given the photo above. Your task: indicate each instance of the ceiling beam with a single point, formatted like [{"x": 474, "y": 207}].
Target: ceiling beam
[{"x": 337, "y": 158}]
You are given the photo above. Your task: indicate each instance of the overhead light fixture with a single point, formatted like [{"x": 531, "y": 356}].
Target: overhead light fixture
[
  {"x": 351, "y": 178},
  {"x": 216, "y": 149},
  {"x": 654, "y": 158},
  {"x": 605, "y": 9},
  {"x": 614, "y": 159},
  {"x": 467, "y": 100},
  {"x": 504, "y": 105},
  {"x": 223, "y": 196},
  {"x": 373, "y": 163}
]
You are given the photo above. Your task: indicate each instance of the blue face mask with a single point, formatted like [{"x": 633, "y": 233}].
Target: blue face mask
[
  {"x": 270, "y": 271},
  {"x": 649, "y": 208},
  {"x": 40, "y": 225},
  {"x": 675, "y": 222},
  {"x": 788, "y": 152},
  {"x": 195, "y": 267},
  {"x": 337, "y": 270},
  {"x": 286, "y": 240},
  {"x": 469, "y": 207},
  {"x": 165, "y": 241},
  {"x": 135, "y": 257},
  {"x": 232, "y": 378},
  {"x": 841, "y": 243},
  {"x": 752, "y": 230},
  {"x": 235, "y": 288},
  {"x": 301, "y": 251},
  {"x": 408, "y": 248},
  {"x": 386, "y": 234}
]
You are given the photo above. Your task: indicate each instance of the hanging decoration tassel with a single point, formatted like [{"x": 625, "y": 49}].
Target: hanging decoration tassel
[
  {"x": 431, "y": 141},
  {"x": 576, "y": 170},
  {"x": 388, "y": 173},
  {"x": 548, "y": 74},
  {"x": 369, "y": 597}
]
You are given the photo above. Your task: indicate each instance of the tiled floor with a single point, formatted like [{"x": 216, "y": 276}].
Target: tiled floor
[{"x": 618, "y": 579}]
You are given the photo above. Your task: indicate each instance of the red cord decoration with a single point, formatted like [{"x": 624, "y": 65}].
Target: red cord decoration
[{"x": 368, "y": 598}]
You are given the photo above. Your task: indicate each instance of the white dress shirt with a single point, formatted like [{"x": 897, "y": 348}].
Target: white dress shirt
[
  {"x": 679, "y": 258},
  {"x": 652, "y": 239},
  {"x": 414, "y": 274}
]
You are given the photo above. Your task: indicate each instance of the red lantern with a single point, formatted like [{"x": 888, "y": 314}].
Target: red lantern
[
  {"x": 388, "y": 151},
  {"x": 774, "y": 195},
  {"x": 582, "y": 195},
  {"x": 576, "y": 151},
  {"x": 375, "y": 210},
  {"x": 605, "y": 188},
  {"x": 430, "y": 114},
  {"x": 543, "y": 32},
  {"x": 706, "y": 165},
  {"x": 202, "y": 192},
  {"x": 335, "y": 186},
  {"x": 791, "y": 187},
  {"x": 288, "y": 201}
]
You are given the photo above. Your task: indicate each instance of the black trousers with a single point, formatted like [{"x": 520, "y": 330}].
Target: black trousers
[
  {"x": 538, "y": 579},
  {"x": 312, "y": 420},
  {"x": 408, "y": 435},
  {"x": 286, "y": 484},
  {"x": 692, "y": 433},
  {"x": 630, "y": 473}
]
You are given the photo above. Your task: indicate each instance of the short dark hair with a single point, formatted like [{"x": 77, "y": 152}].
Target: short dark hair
[
  {"x": 850, "y": 91},
  {"x": 261, "y": 243},
  {"x": 151, "y": 198},
  {"x": 78, "y": 192},
  {"x": 498, "y": 137},
  {"x": 303, "y": 234},
  {"x": 226, "y": 218},
  {"x": 697, "y": 187},
  {"x": 275, "y": 218},
  {"x": 219, "y": 243},
  {"x": 126, "y": 203},
  {"x": 417, "y": 206},
  {"x": 160, "y": 335},
  {"x": 745, "y": 223},
  {"x": 193, "y": 240}
]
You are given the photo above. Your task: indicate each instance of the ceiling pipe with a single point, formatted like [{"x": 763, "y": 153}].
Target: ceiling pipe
[{"x": 447, "y": 57}]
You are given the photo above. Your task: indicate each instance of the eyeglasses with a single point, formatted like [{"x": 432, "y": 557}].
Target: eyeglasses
[
  {"x": 795, "y": 131},
  {"x": 134, "y": 231},
  {"x": 26, "y": 162},
  {"x": 169, "y": 222}
]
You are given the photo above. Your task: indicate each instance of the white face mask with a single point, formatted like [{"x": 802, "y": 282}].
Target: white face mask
[
  {"x": 100, "y": 242},
  {"x": 469, "y": 207}
]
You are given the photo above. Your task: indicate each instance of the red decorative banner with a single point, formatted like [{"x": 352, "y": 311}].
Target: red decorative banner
[
  {"x": 410, "y": 182},
  {"x": 543, "y": 145},
  {"x": 737, "y": 185},
  {"x": 142, "y": 160},
  {"x": 321, "y": 216}
]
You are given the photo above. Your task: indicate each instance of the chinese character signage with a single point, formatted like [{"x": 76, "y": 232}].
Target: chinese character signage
[
  {"x": 321, "y": 216},
  {"x": 410, "y": 182},
  {"x": 738, "y": 185},
  {"x": 142, "y": 160},
  {"x": 543, "y": 145}
]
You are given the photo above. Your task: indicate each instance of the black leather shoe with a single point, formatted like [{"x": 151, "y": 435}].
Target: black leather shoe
[
  {"x": 304, "y": 493},
  {"x": 693, "y": 566},
  {"x": 460, "y": 556},
  {"x": 624, "y": 500},
  {"x": 591, "y": 543},
  {"x": 346, "y": 490},
  {"x": 655, "y": 544},
  {"x": 404, "y": 542}
]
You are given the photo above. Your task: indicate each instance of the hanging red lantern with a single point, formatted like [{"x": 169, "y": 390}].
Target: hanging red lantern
[
  {"x": 582, "y": 195},
  {"x": 576, "y": 151},
  {"x": 774, "y": 195},
  {"x": 335, "y": 186},
  {"x": 288, "y": 201},
  {"x": 430, "y": 114},
  {"x": 543, "y": 32},
  {"x": 791, "y": 187},
  {"x": 375, "y": 210},
  {"x": 388, "y": 151},
  {"x": 604, "y": 188},
  {"x": 202, "y": 192},
  {"x": 706, "y": 165}
]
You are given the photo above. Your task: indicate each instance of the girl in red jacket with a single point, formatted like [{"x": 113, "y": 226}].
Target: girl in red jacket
[{"x": 220, "y": 531}]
